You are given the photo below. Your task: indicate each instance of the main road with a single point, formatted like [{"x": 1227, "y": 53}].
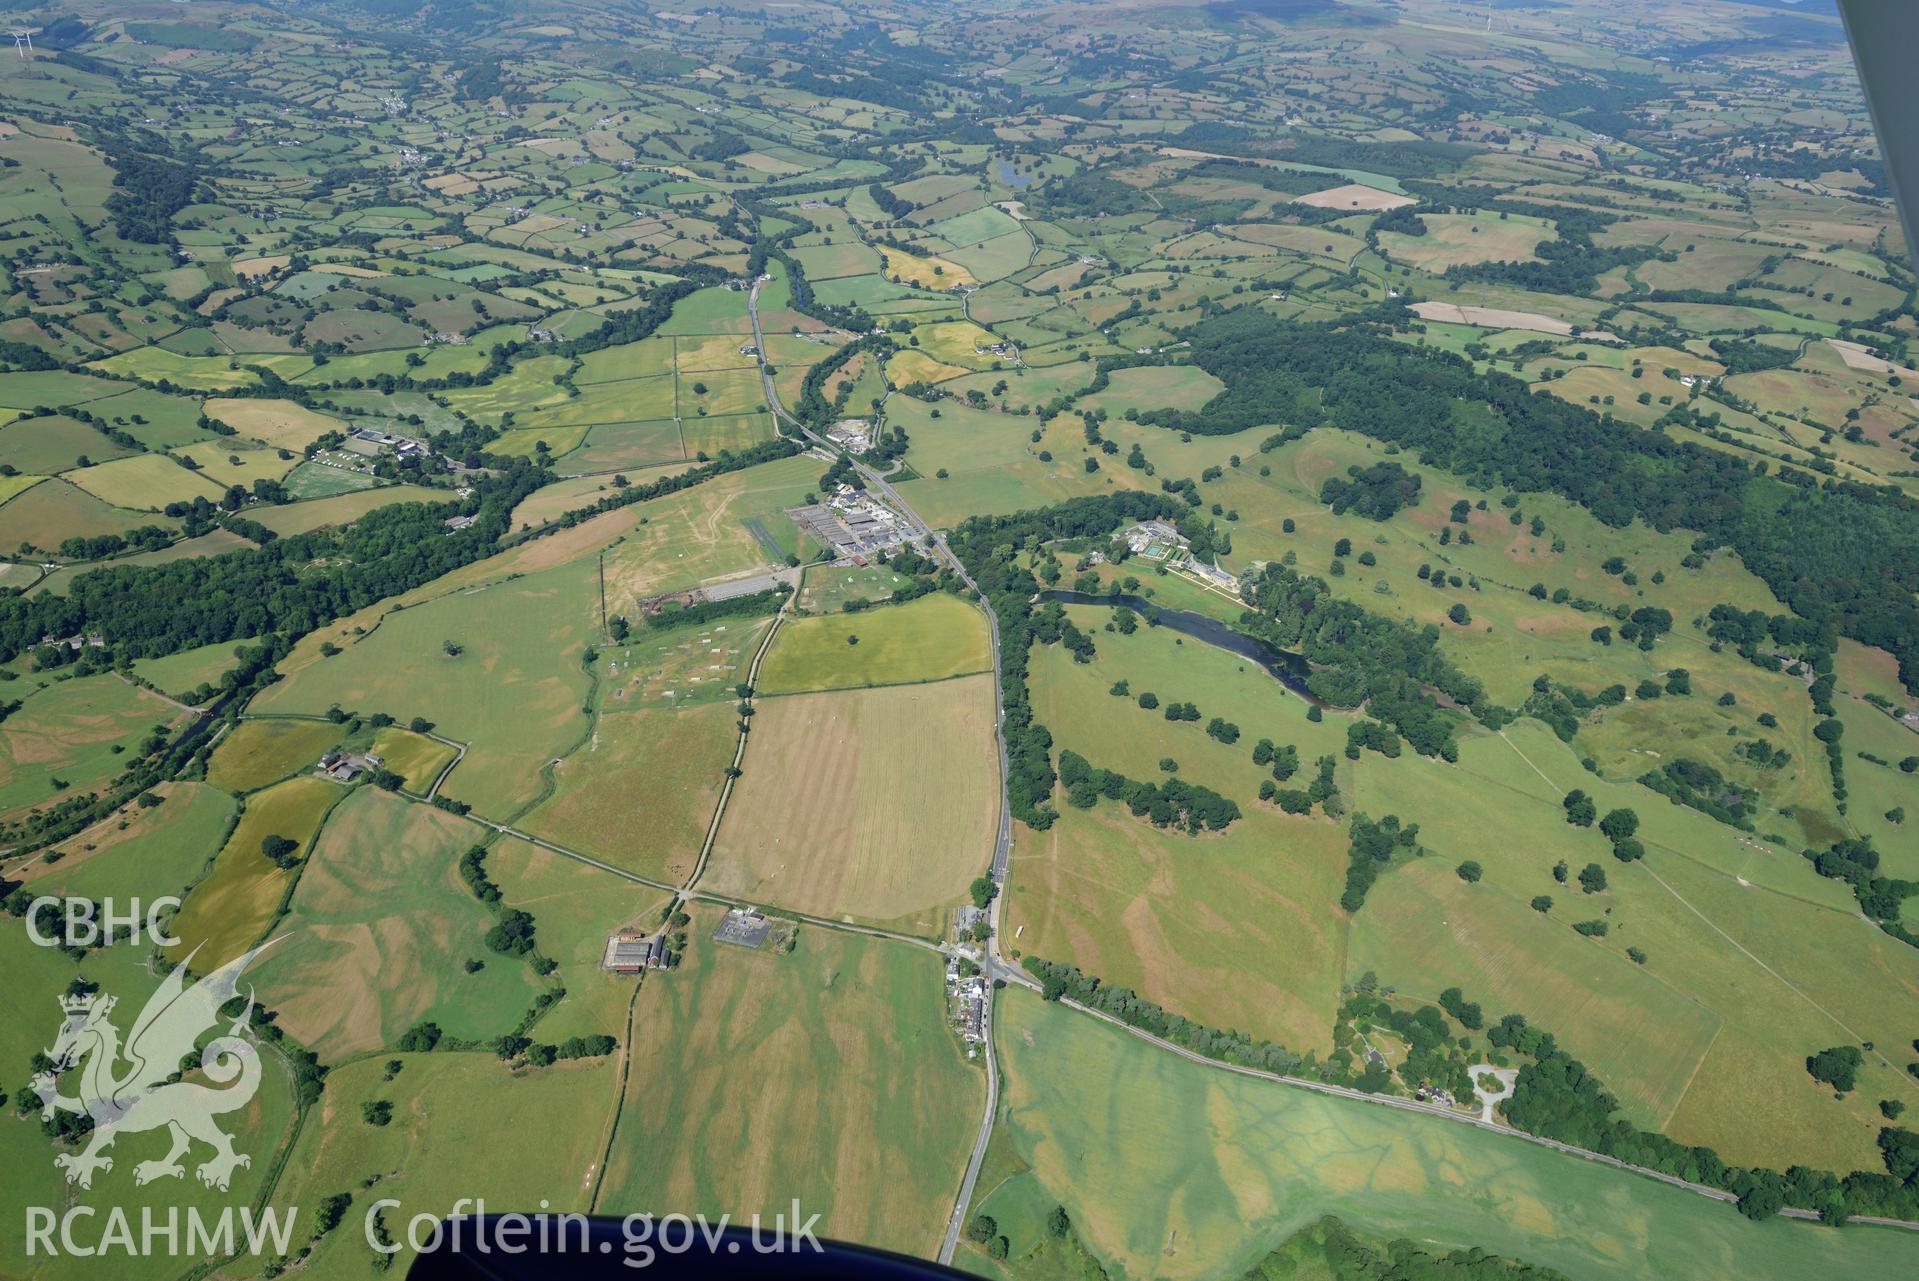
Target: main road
[
  {"x": 1003, "y": 840},
  {"x": 998, "y": 969}
]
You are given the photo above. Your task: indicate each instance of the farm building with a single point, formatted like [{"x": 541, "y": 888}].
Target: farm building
[{"x": 629, "y": 953}]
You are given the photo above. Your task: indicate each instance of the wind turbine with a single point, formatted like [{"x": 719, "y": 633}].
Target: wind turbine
[{"x": 23, "y": 43}]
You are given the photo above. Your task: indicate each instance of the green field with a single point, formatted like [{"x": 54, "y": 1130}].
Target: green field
[
  {"x": 257, "y": 752},
  {"x": 512, "y": 692},
  {"x": 639, "y": 793},
  {"x": 49, "y": 513},
  {"x": 1753, "y": 962},
  {"x": 73, "y": 736},
  {"x": 446, "y": 1108},
  {"x": 338, "y": 507},
  {"x": 1594, "y": 321},
  {"x": 991, "y": 464},
  {"x": 826, "y": 589},
  {"x": 1257, "y": 1161},
  {"x": 1170, "y": 915},
  {"x": 378, "y": 898},
  {"x": 417, "y": 759},
  {"x": 932, "y": 638},
  {"x": 145, "y": 482},
  {"x": 842, "y": 1043},
  {"x": 318, "y": 480},
  {"x": 576, "y": 906},
  {"x": 45, "y": 446},
  {"x": 137, "y": 851},
  {"x": 259, "y": 1129},
  {"x": 230, "y": 909},
  {"x": 180, "y": 674}
]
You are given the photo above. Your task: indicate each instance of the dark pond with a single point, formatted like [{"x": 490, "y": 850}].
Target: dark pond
[
  {"x": 1012, "y": 177},
  {"x": 1288, "y": 668}
]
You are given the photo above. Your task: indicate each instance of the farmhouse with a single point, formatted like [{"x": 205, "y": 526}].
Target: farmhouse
[
  {"x": 344, "y": 767},
  {"x": 371, "y": 441},
  {"x": 968, "y": 994},
  {"x": 91, "y": 640}
]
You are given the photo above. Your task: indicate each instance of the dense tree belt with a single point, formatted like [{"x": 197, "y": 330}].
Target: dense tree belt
[
  {"x": 1058, "y": 980},
  {"x": 148, "y": 191},
  {"x": 1377, "y": 492},
  {"x": 1172, "y": 803},
  {"x": 1372, "y": 848},
  {"x": 813, "y": 408},
  {"x": 1570, "y": 264},
  {"x": 1347, "y": 1256},
  {"x": 750, "y": 606},
  {"x": 988, "y": 546},
  {"x": 289, "y": 586},
  {"x": 1842, "y": 555},
  {"x": 1361, "y": 657},
  {"x": 1882, "y": 898}
]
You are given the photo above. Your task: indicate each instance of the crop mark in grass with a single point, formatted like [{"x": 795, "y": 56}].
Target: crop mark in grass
[
  {"x": 1741, "y": 948},
  {"x": 762, "y": 535}
]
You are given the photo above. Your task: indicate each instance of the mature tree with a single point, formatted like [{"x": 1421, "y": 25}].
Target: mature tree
[
  {"x": 1619, "y": 824},
  {"x": 279, "y": 850},
  {"x": 1838, "y": 1067}
]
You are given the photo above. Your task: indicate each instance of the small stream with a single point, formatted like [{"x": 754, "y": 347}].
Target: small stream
[{"x": 1288, "y": 668}]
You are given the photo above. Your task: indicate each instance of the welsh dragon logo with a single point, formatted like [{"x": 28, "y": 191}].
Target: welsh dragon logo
[{"x": 131, "y": 1088}]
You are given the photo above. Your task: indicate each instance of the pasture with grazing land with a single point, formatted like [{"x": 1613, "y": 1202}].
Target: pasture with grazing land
[
  {"x": 933, "y": 638},
  {"x": 576, "y": 906},
  {"x": 502, "y": 671},
  {"x": 843, "y": 1042},
  {"x": 72, "y": 736},
  {"x": 380, "y": 896},
  {"x": 417, "y": 759},
  {"x": 28, "y": 1176},
  {"x": 445, "y": 1108},
  {"x": 230, "y": 909},
  {"x": 639, "y": 793},
  {"x": 1263, "y": 1160},
  {"x": 138, "y": 849},
  {"x": 259, "y": 751},
  {"x": 1508, "y": 355}
]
